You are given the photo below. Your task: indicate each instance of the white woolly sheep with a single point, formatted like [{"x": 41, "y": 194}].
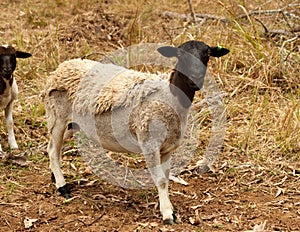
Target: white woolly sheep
[
  {"x": 8, "y": 87},
  {"x": 157, "y": 109}
]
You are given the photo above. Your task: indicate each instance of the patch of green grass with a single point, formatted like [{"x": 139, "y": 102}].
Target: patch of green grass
[
  {"x": 38, "y": 158},
  {"x": 217, "y": 226},
  {"x": 10, "y": 188},
  {"x": 144, "y": 194}
]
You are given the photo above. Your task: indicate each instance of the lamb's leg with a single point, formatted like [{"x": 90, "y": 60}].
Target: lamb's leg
[
  {"x": 54, "y": 152},
  {"x": 159, "y": 173},
  {"x": 10, "y": 126}
]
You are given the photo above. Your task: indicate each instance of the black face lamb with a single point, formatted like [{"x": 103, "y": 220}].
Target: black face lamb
[
  {"x": 8, "y": 87},
  {"x": 154, "y": 109}
]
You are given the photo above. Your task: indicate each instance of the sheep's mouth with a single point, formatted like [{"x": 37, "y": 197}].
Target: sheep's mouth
[{"x": 6, "y": 75}]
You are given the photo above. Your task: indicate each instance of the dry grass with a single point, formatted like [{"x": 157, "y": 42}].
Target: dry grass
[{"x": 260, "y": 77}]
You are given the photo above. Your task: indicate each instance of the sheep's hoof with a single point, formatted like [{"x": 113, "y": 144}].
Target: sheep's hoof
[
  {"x": 73, "y": 126},
  {"x": 52, "y": 177},
  {"x": 65, "y": 191},
  {"x": 171, "y": 221},
  {"x": 14, "y": 146},
  {"x": 204, "y": 169}
]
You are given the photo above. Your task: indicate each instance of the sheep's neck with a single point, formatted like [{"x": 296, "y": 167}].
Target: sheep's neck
[
  {"x": 3, "y": 84},
  {"x": 181, "y": 89}
]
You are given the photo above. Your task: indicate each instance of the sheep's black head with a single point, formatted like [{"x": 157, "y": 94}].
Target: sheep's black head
[
  {"x": 8, "y": 60},
  {"x": 193, "y": 57}
]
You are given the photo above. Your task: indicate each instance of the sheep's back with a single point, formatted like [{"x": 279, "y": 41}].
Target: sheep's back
[
  {"x": 95, "y": 88},
  {"x": 108, "y": 86},
  {"x": 68, "y": 76}
]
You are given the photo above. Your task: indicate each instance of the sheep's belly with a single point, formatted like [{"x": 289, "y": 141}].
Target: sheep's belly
[
  {"x": 116, "y": 146},
  {"x": 108, "y": 132},
  {"x": 115, "y": 135}
]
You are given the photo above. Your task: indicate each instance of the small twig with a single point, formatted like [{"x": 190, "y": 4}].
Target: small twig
[
  {"x": 61, "y": 225},
  {"x": 192, "y": 11},
  {"x": 96, "y": 219},
  {"x": 263, "y": 25},
  {"x": 280, "y": 32},
  {"x": 13, "y": 204},
  {"x": 84, "y": 223},
  {"x": 7, "y": 223},
  {"x": 287, "y": 21},
  {"x": 266, "y": 12},
  {"x": 283, "y": 44},
  {"x": 98, "y": 53},
  {"x": 273, "y": 32},
  {"x": 185, "y": 17},
  {"x": 213, "y": 17},
  {"x": 172, "y": 15},
  {"x": 168, "y": 34}
]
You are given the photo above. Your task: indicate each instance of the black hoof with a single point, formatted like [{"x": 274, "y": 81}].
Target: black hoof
[
  {"x": 171, "y": 221},
  {"x": 52, "y": 177},
  {"x": 65, "y": 191},
  {"x": 174, "y": 218},
  {"x": 73, "y": 126},
  {"x": 203, "y": 169}
]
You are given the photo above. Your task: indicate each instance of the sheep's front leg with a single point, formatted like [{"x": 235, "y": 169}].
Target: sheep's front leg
[
  {"x": 10, "y": 126},
  {"x": 54, "y": 152},
  {"x": 160, "y": 175},
  {"x": 165, "y": 203}
]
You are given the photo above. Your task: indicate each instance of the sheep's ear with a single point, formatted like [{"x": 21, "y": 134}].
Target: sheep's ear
[
  {"x": 218, "y": 51},
  {"x": 20, "y": 54},
  {"x": 168, "y": 51}
]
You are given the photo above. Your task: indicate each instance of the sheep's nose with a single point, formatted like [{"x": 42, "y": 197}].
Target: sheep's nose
[{"x": 7, "y": 72}]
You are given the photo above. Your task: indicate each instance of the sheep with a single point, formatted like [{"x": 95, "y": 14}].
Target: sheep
[
  {"x": 8, "y": 87},
  {"x": 78, "y": 92}
]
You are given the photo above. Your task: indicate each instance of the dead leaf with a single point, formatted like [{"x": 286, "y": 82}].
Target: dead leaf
[
  {"x": 178, "y": 179},
  {"x": 196, "y": 206},
  {"x": 281, "y": 182},
  {"x": 70, "y": 199},
  {"x": 195, "y": 220},
  {"x": 88, "y": 171},
  {"x": 209, "y": 217},
  {"x": 166, "y": 229},
  {"x": 154, "y": 224},
  {"x": 19, "y": 160},
  {"x": 73, "y": 166},
  {"x": 279, "y": 192},
  {"x": 192, "y": 220},
  {"x": 4, "y": 155},
  {"x": 28, "y": 222},
  {"x": 258, "y": 228}
]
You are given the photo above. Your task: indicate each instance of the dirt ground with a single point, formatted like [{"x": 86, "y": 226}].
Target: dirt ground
[{"x": 255, "y": 185}]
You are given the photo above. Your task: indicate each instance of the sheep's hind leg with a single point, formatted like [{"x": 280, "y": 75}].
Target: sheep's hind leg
[{"x": 54, "y": 152}]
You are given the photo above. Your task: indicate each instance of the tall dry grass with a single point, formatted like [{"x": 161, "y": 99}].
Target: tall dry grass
[{"x": 260, "y": 76}]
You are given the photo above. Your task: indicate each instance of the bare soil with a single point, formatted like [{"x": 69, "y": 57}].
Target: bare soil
[{"x": 224, "y": 201}]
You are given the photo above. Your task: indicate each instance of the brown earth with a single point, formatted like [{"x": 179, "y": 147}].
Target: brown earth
[{"x": 257, "y": 175}]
